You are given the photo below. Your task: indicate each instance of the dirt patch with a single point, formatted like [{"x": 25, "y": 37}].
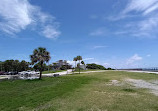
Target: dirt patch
[
  {"x": 113, "y": 82},
  {"x": 152, "y": 86}
]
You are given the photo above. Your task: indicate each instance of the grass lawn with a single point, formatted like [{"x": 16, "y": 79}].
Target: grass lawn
[
  {"x": 52, "y": 71},
  {"x": 87, "y": 70},
  {"x": 79, "y": 92}
]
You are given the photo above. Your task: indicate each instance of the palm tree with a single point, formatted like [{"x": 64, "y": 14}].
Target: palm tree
[
  {"x": 79, "y": 58},
  {"x": 40, "y": 55},
  {"x": 82, "y": 62},
  {"x": 75, "y": 59}
]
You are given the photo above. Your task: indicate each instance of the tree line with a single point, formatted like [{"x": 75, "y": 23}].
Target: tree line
[
  {"x": 14, "y": 65},
  {"x": 39, "y": 58}
]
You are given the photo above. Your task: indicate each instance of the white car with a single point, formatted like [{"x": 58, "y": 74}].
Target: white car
[{"x": 28, "y": 75}]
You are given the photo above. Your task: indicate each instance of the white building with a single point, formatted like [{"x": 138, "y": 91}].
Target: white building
[{"x": 83, "y": 66}]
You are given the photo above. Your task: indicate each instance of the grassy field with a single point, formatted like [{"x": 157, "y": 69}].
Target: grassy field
[
  {"x": 79, "y": 92},
  {"x": 52, "y": 71},
  {"x": 77, "y": 70}
]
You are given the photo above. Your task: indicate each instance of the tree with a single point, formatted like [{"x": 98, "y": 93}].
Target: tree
[
  {"x": 8, "y": 65},
  {"x": 82, "y": 62},
  {"x": 1, "y": 65},
  {"x": 55, "y": 66},
  {"x": 38, "y": 65},
  {"x": 75, "y": 59},
  {"x": 24, "y": 65},
  {"x": 95, "y": 66},
  {"x": 79, "y": 58},
  {"x": 16, "y": 65},
  {"x": 40, "y": 55}
]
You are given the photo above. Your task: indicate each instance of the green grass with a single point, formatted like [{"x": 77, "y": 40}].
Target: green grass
[
  {"x": 52, "y": 71},
  {"x": 77, "y": 70},
  {"x": 78, "y": 92}
]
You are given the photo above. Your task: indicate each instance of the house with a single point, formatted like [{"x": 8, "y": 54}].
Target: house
[
  {"x": 60, "y": 63},
  {"x": 83, "y": 66}
]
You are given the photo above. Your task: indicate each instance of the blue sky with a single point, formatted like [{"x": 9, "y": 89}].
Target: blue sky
[{"x": 114, "y": 33}]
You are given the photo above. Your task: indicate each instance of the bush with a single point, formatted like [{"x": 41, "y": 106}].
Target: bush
[{"x": 95, "y": 66}]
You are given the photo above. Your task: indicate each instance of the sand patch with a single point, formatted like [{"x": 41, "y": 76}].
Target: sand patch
[
  {"x": 113, "y": 82},
  {"x": 152, "y": 86}
]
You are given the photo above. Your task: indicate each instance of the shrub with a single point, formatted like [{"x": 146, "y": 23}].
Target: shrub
[{"x": 95, "y": 66}]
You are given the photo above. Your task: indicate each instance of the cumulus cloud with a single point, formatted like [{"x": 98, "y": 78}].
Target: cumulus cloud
[
  {"x": 133, "y": 59},
  {"x": 18, "y": 15}
]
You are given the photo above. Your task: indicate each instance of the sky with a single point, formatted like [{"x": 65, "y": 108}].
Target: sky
[{"x": 113, "y": 33}]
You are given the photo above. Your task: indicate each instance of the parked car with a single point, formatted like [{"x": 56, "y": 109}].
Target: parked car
[
  {"x": 28, "y": 72},
  {"x": 2, "y": 73},
  {"x": 6, "y": 73},
  {"x": 28, "y": 75},
  {"x": 13, "y": 73}
]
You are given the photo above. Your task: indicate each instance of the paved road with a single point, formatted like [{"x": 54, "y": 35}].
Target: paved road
[
  {"x": 51, "y": 74},
  {"x": 69, "y": 71}
]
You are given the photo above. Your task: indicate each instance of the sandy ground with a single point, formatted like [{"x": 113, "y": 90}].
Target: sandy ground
[{"x": 152, "y": 85}]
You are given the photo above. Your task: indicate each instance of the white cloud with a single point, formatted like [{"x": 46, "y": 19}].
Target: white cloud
[
  {"x": 143, "y": 6},
  {"x": 71, "y": 62},
  {"x": 143, "y": 19},
  {"x": 50, "y": 32},
  {"x": 133, "y": 59},
  {"x": 18, "y": 15},
  {"x": 87, "y": 59}
]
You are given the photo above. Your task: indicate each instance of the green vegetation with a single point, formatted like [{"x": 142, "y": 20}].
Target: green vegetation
[
  {"x": 52, "y": 71},
  {"x": 77, "y": 69},
  {"x": 95, "y": 66},
  {"x": 79, "y": 92},
  {"x": 40, "y": 56},
  {"x": 14, "y": 65},
  {"x": 78, "y": 58}
]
